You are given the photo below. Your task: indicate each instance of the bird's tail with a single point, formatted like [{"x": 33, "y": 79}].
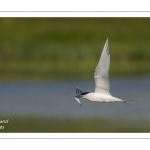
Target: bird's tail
[
  {"x": 128, "y": 102},
  {"x": 124, "y": 101}
]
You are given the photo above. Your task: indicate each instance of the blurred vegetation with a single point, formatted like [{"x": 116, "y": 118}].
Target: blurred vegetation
[
  {"x": 69, "y": 48},
  {"x": 76, "y": 125}
]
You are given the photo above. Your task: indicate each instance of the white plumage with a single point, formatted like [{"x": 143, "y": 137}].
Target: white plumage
[
  {"x": 101, "y": 72},
  {"x": 102, "y": 86}
]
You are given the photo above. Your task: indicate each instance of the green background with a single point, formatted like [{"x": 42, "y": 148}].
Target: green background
[{"x": 69, "y": 48}]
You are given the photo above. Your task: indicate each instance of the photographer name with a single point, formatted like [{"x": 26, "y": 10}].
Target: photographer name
[{"x": 3, "y": 122}]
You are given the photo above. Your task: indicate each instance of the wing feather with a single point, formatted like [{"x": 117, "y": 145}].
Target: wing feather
[{"x": 101, "y": 72}]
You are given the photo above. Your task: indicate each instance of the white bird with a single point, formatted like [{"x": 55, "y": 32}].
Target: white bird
[{"x": 102, "y": 85}]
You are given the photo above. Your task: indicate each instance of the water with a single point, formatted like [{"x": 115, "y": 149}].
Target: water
[{"x": 54, "y": 99}]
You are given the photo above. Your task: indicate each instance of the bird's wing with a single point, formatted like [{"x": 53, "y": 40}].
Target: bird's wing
[
  {"x": 78, "y": 91},
  {"x": 101, "y": 72}
]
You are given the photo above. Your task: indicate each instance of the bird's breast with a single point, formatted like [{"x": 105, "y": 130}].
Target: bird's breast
[{"x": 99, "y": 97}]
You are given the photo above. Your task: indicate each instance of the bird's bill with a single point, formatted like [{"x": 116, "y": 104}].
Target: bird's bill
[{"x": 77, "y": 100}]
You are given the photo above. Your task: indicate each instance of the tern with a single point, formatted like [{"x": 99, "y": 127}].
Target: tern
[{"x": 102, "y": 85}]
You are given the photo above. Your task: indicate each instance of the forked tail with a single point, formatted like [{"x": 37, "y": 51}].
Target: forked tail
[{"x": 124, "y": 101}]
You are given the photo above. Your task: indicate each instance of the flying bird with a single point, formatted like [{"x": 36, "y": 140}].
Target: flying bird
[{"x": 102, "y": 85}]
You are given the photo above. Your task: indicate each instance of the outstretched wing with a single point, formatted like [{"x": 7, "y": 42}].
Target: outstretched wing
[
  {"x": 101, "y": 72},
  {"x": 78, "y": 91}
]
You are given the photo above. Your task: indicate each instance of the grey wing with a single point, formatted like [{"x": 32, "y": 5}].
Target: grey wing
[
  {"x": 101, "y": 72},
  {"x": 78, "y": 91}
]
